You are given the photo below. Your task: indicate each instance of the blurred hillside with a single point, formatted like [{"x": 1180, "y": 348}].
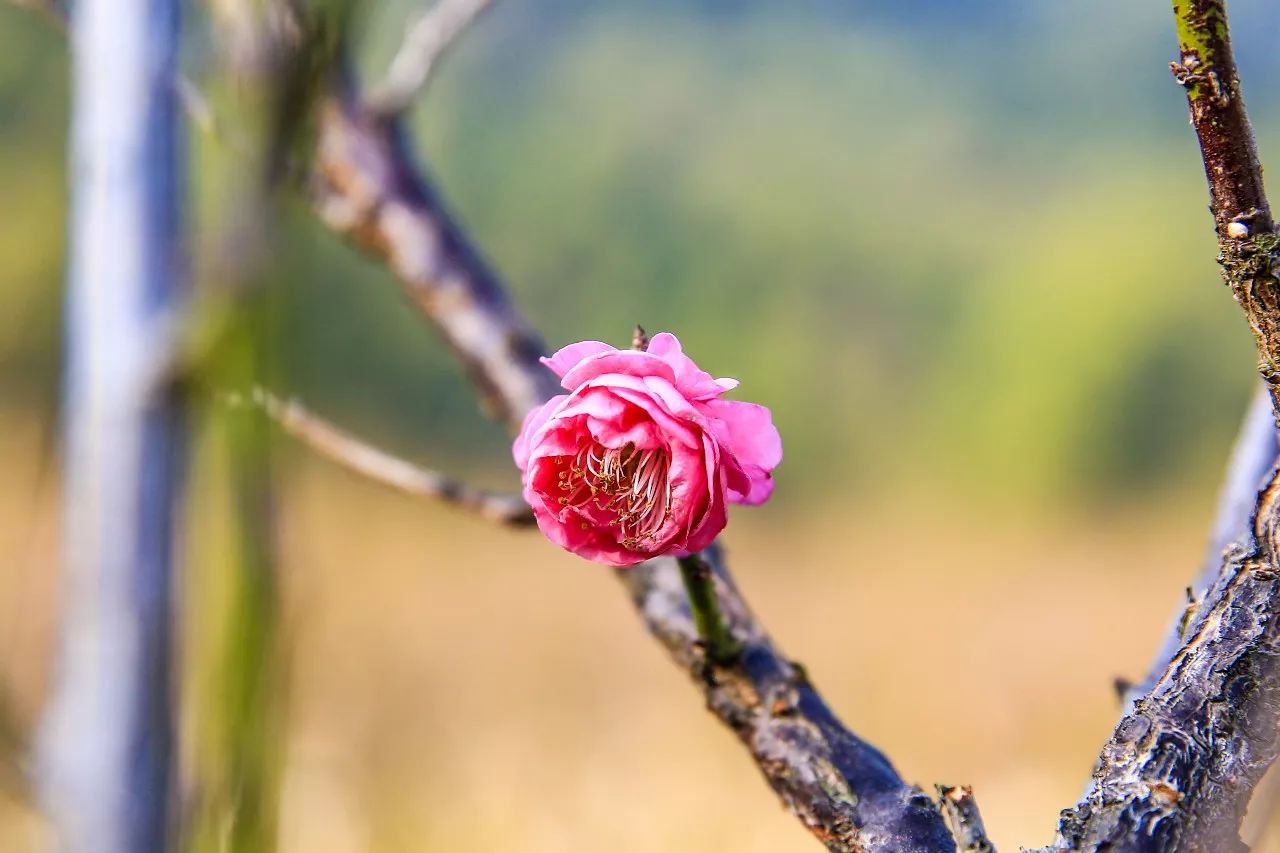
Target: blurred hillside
[{"x": 974, "y": 242}]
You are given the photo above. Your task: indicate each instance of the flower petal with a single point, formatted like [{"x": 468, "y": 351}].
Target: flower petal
[
  {"x": 714, "y": 519},
  {"x": 619, "y": 362},
  {"x": 694, "y": 382},
  {"x": 566, "y": 358},
  {"x": 533, "y": 422},
  {"x": 748, "y": 431}
]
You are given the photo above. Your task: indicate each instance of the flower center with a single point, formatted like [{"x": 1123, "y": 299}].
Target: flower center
[{"x": 630, "y": 485}]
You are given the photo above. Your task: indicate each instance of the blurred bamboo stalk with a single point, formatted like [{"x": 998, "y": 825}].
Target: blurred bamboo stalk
[
  {"x": 106, "y": 758},
  {"x": 238, "y": 718},
  {"x": 239, "y": 714}
]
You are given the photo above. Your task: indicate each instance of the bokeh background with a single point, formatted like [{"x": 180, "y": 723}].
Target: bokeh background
[{"x": 961, "y": 249}]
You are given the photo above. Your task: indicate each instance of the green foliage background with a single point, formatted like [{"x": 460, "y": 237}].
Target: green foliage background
[{"x": 957, "y": 247}]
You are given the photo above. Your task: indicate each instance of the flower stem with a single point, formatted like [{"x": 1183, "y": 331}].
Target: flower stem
[{"x": 721, "y": 647}]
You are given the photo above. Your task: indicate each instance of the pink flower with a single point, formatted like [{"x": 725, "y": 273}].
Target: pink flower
[{"x": 641, "y": 456}]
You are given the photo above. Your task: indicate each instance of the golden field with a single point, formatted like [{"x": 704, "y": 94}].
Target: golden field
[{"x": 453, "y": 687}]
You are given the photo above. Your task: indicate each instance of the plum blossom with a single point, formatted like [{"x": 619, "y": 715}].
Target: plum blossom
[{"x": 642, "y": 455}]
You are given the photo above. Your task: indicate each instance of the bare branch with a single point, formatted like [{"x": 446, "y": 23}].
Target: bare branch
[
  {"x": 425, "y": 42},
  {"x": 1178, "y": 771},
  {"x": 365, "y": 459},
  {"x": 368, "y": 187},
  {"x": 844, "y": 790},
  {"x": 960, "y": 810},
  {"x": 1247, "y": 241}
]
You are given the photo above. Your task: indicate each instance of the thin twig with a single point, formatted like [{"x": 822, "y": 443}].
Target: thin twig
[
  {"x": 424, "y": 43},
  {"x": 365, "y": 459},
  {"x": 1247, "y": 242},
  {"x": 960, "y": 810},
  {"x": 197, "y": 107}
]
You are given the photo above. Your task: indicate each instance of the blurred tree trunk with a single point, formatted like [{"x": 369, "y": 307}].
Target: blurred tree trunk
[{"x": 106, "y": 750}]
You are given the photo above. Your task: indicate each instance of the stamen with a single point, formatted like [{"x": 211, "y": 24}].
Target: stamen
[{"x": 626, "y": 481}]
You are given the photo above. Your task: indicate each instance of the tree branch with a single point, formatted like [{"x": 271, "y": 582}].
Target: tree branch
[
  {"x": 843, "y": 789},
  {"x": 846, "y": 792},
  {"x": 1178, "y": 771},
  {"x": 426, "y": 41},
  {"x": 1247, "y": 241},
  {"x": 350, "y": 452},
  {"x": 368, "y": 188}
]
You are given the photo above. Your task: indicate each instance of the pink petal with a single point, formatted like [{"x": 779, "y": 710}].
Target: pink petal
[
  {"x": 596, "y": 401},
  {"x": 533, "y": 422},
  {"x": 566, "y": 358},
  {"x": 590, "y": 542},
  {"x": 761, "y": 487},
  {"x": 619, "y": 362},
  {"x": 748, "y": 431},
  {"x": 651, "y": 393},
  {"x": 558, "y": 437},
  {"x": 715, "y": 517},
  {"x": 694, "y": 382},
  {"x": 611, "y": 420}
]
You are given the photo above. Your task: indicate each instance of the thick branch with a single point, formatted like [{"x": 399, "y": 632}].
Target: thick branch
[
  {"x": 1251, "y": 462},
  {"x": 844, "y": 790},
  {"x": 369, "y": 189},
  {"x": 1178, "y": 771},
  {"x": 378, "y": 465}
]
